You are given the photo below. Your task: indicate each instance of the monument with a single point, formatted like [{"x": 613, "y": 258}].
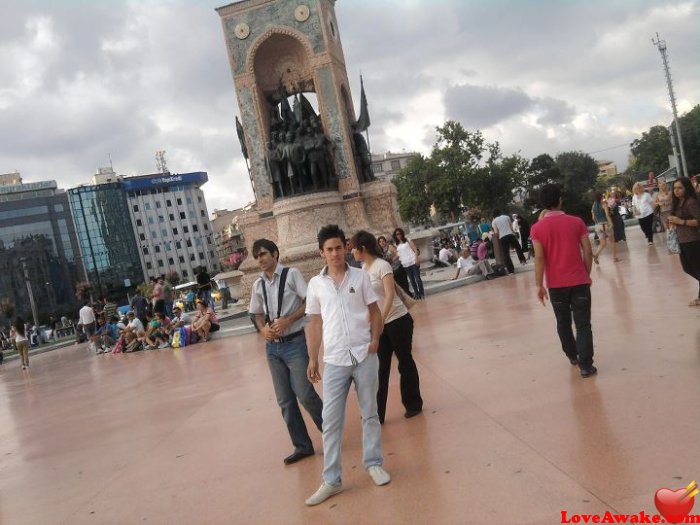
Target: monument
[{"x": 309, "y": 166}]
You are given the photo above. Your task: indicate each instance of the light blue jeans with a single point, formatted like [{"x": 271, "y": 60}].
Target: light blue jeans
[{"x": 336, "y": 385}]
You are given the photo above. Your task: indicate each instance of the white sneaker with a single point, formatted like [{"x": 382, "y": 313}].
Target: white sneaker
[
  {"x": 324, "y": 492},
  {"x": 379, "y": 475}
]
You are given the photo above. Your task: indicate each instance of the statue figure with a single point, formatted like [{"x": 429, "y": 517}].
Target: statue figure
[
  {"x": 275, "y": 158},
  {"x": 316, "y": 144},
  {"x": 363, "y": 158},
  {"x": 295, "y": 157}
]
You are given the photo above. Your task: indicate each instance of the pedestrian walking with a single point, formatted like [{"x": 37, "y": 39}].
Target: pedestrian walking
[
  {"x": 21, "y": 341},
  {"x": 344, "y": 313},
  {"x": 685, "y": 216},
  {"x": 503, "y": 227},
  {"x": 408, "y": 255},
  {"x": 563, "y": 256},
  {"x": 604, "y": 228},
  {"x": 643, "y": 208},
  {"x": 278, "y": 302}
]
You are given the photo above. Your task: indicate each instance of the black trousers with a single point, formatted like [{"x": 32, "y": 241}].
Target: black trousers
[
  {"x": 508, "y": 241},
  {"x": 574, "y": 301},
  {"x": 397, "y": 338},
  {"x": 647, "y": 223},
  {"x": 690, "y": 259},
  {"x": 401, "y": 278}
]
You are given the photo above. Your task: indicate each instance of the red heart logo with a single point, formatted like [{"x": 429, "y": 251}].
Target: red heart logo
[{"x": 671, "y": 506}]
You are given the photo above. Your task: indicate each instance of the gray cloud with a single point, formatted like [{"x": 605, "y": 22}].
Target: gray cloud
[{"x": 481, "y": 107}]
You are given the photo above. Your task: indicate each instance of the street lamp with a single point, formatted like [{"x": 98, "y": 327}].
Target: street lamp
[{"x": 29, "y": 291}]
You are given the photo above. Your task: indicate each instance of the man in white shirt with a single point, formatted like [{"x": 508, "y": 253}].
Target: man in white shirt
[
  {"x": 471, "y": 267},
  {"x": 88, "y": 322},
  {"x": 443, "y": 257},
  {"x": 338, "y": 301},
  {"x": 503, "y": 226}
]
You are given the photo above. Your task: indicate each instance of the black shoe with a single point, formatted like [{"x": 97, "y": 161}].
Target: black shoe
[
  {"x": 296, "y": 456},
  {"x": 412, "y": 413},
  {"x": 588, "y": 371},
  {"x": 573, "y": 360}
]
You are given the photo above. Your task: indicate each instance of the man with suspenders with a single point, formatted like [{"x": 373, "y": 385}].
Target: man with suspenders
[{"x": 278, "y": 302}]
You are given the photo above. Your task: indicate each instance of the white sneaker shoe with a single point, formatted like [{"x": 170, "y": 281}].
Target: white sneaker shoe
[
  {"x": 379, "y": 475},
  {"x": 324, "y": 492}
]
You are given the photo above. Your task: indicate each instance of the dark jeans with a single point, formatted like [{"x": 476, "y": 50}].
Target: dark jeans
[
  {"x": 401, "y": 278},
  {"x": 414, "y": 275},
  {"x": 576, "y": 301},
  {"x": 288, "y": 363},
  {"x": 397, "y": 338},
  {"x": 647, "y": 223},
  {"x": 507, "y": 242}
]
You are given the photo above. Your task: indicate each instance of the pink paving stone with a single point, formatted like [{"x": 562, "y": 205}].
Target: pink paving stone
[{"x": 510, "y": 433}]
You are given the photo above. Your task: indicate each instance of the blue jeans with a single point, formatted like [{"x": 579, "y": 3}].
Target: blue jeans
[
  {"x": 336, "y": 385},
  {"x": 414, "y": 275},
  {"x": 574, "y": 301},
  {"x": 288, "y": 363}
]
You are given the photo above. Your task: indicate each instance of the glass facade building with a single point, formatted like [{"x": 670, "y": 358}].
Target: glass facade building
[
  {"x": 107, "y": 243},
  {"x": 37, "y": 239}
]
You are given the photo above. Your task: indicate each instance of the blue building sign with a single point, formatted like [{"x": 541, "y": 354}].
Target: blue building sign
[{"x": 161, "y": 180}]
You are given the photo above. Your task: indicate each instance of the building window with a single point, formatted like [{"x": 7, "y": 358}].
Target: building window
[
  {"x": 168, "y": 246},
  {"x": 206, "y": 227},
  {"x": 182, "y": 261},
  {"x": 395, "y": 164},
  {"x": 189, "y": 243},
  {"x": 168, "y": 203},
  {"x": 377, "y": 167},
  {"x": 179, "y": 202},
  {"x": 138, "y": 222},
  {"x": 185, "y": 229},
  {"x": 199, "y": 198},
  {"x": 178, "y": 244},
  {"x": 160, "y": 263},
  {"x": 149, "y": 266},
  {"x": 157, "y": 204},
  {"x": 171, "y": 217},
  {"x": 201, "y": 256},
  {"x": 147, "y": 205},
  {"x": 135, "y": 207},
  {"x": 171, "y": 261},
  {"x": 145, "y": 250},
  {"x": 184, "y": 272},
  {"x": 201, "y": 212},
  {"x": 157, "y": 249},
  {"x": 142, "y": 236},
  {"x": 195, "y": 228},
  {"x": 189, "y": 200},
  {"x": 150, "y": 220},
  {"x": 161, "y": 218},
  {"x": 174, "y": 231},
  {"x": 192, "y": 257},
  {"x": 164, "y": 233},
  {"x": 182, "y": 215},
  {"x": 154, "y": 234}
]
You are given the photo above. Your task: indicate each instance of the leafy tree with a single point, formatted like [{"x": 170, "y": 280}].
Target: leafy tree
[
  {"x": 412, "y": 188},
  {"x": 578, "y": 173},
  {"x": 690, "y": 130},
  {"x": 651, "y": 151},
  {"x": 173, "y": 277}
]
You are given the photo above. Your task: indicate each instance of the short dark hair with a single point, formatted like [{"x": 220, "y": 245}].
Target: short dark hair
[
  {"x": 366, "y": 242},
  {"x": 330, "y": 231},
  {"x": 550, "y": 195},
  {"x": 265, "y": 244},
  {"x": 497, "y": 213}
]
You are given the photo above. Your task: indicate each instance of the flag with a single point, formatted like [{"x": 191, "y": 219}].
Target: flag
[
  {"x": 297, "y": 109},
  {"x": 287, "y": 113},
  {"x": 241, "y": 138},
  {"x": 307, "y": 110},
  {"x": 362, "y": 122}
]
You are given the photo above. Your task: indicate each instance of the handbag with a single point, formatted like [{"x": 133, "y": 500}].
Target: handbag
[
  {"x": 408, "y": 301},
  {"x": 672, "y": 242}
]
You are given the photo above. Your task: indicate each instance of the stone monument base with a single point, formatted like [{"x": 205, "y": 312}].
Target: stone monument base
[{"x": 294, "y": 222}]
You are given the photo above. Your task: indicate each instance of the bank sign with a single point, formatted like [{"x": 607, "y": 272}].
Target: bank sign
[{"x": 165, "y": 179}]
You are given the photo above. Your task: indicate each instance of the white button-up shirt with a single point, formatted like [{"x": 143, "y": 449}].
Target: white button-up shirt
[
  {"x": 343, "y": 310},
  {"x": 294, "y": 294}
]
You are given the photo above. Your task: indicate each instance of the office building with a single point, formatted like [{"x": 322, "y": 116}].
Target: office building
[
  {"x": 38, "y": 243},
  {"x": 385, "y": 166},
  {"x": 171, "y": 223}
]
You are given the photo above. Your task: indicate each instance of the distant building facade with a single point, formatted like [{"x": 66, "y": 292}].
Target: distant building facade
[
  {"x": 37, "y": 239},
  {"x": 171, "y": 223},
  {"x": 386, "y": 166},
  {"x": 107, "y": 243},
  {"x": 606, "y": 168},
  {"x": 228, "y": 237}
]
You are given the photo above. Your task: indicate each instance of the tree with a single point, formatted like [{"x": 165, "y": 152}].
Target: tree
[
  {"x": 651, "y": 151},
  {"x": 690, "y": 130},
  {"x": 173, "y": 277},
  {"x": 411, "y": 185},
  {"x": 578, "y": 173}
]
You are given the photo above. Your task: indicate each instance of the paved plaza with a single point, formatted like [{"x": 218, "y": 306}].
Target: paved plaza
[{"x": 510, "y": 433}]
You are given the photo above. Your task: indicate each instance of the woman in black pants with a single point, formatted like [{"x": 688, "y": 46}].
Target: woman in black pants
[
  {"x": 397, "y": 337},
  {"x": 685, "y": 218},
  {"x": 389, "y": 255}
]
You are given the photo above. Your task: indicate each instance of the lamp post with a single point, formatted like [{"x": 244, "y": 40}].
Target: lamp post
[{"x": 29, "y": 291}]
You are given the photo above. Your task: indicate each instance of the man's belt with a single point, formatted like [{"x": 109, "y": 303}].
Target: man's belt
[{"x": 287, "y": 338}]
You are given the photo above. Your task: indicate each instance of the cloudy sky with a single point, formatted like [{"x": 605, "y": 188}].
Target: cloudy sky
[{"x": 85, "y": 79}]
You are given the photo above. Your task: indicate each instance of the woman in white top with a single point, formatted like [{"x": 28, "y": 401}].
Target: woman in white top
[
  {"x": 21, "y": 342},
  {"x": 397, "y": 337},
  {"x": 643, "y": 206},
  {"x": 408, "y": 255}
]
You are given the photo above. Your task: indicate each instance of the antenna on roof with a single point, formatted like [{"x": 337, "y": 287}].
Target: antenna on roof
[{"x": 161, "y": 166}]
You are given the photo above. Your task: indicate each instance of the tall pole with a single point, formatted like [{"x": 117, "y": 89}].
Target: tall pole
[
  {"x": 29, "y": 292},
  {"x": 661, "y": 45}
]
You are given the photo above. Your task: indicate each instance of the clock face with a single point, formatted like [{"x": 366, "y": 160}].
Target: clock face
[
  {"x": 242, "y": 31},
  {"x": 301, "y": 13}
]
